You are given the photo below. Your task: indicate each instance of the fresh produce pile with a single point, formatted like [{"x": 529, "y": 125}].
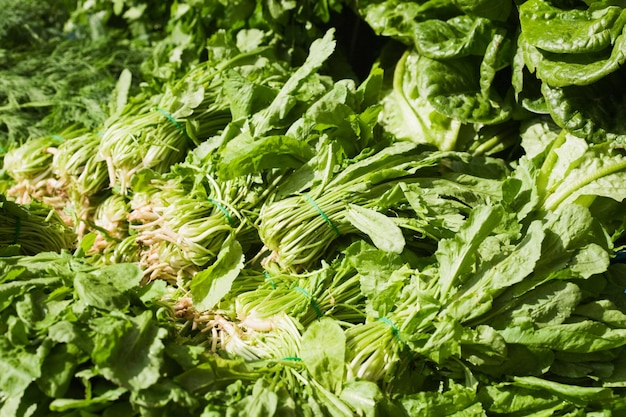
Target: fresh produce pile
[{"x": 312, "y": 208}]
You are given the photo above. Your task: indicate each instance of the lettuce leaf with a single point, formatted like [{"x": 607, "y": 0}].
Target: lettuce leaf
[
  {"x": 455, "y": 38},
  {"x": 566, "y": 169},
  {"x": 551, "y": 28}
]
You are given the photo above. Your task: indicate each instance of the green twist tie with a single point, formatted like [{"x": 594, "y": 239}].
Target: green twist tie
[
  {"x": 57, "y": 138},
  {"x": 395, "y": 330},
  {"x": 223, "y": 210},
  {"x": 18, "y": 229},
  {"x": 313, "y": 303},
  {"x": 174, "y": 122},
  {"x": 292, "y": 358},
  {"x": 321, "y": 212},
  {"x": 269, "y": 279}
]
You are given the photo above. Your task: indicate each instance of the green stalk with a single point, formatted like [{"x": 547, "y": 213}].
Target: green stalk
[
  {"x": 299, "y": 230},
  {"x": 192, "y": 214},
  {"x": 33, "y": 227},
  {"x": 371, "y": 350},
  {"x": 256, "y": 309},
  {"x": 125, "y": 251},
  {"x": 72, "y": 154},
  {"x": 111, "y": 220},
  {"x": 93, "y": 177}
]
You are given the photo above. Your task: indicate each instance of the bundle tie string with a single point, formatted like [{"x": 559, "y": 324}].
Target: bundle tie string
[
  {"x": 223, "y": 210},
  {"x": 313, "y": 303},
  {"x": 269, "y": 279},
  {"x": 321, "y": 212},
  {"x": 395, "y": 330},
  {"x": 174, "y": 122},
  {"x": 57, "y": 138}
]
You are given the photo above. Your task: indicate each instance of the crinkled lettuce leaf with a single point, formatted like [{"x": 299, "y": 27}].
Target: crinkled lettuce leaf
[
  {"x": 565, "y": 69},
  {"x": 498, "y": 10},
  {"x": 595, "y": 112},
  {"x": 409, "y": 116},
  {"x": 571, "y": 30},
  {"x": 569, "y": 65},
  {"x": 445, "y": 103},
  {"x": 461, "y": 89},
  {"x": 396, "y": 18}
]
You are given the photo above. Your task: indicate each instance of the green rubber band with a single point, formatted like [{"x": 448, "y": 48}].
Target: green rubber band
[
  {"x": 292, "y": 358},
  {"x": 174, "y": 122},
  {"x": 321, "y": 212},
  {"x": 313, "y": 303},
  {"x": 303, "y": 291},
  {"x": 18, "y": 229},
  {"x": 269, "y": 279},
  {"x": 57, "y": 138},
  {"x": 395, "y": 330},
  {"x": 223, "y": 210}
]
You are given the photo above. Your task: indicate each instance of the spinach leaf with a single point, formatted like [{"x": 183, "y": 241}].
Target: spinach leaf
[
  {"x": 457, "y": 255},
  {"x": 212, "y": 284},
  {"x": 128, "y": 351},
  {"x": 582, "y": 336},
  {"x": 106, "y": 288},
  {"x": 385, "y": 234},
  {"x": 246, "y": 155},
  {"x": 323, "y": 353}
]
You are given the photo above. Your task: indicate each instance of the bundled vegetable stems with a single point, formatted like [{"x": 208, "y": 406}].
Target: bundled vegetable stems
[
  {"x": 329, "y": 291},
  {"x": 181, "y": 219},
  {"x": 158, "y": 131},
  {"x": 47, "y": 168},
  {"x": 33, "y": 228},
  {"x": 299, "y": 229}
]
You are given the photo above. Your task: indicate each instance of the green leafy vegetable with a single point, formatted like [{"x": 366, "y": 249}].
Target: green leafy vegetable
[
  {"x": 211, "y": 284},
  {"x": 315, "y": 208}
]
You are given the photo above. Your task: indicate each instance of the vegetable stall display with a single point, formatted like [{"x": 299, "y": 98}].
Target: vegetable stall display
[{"x": 317, "y": 208}]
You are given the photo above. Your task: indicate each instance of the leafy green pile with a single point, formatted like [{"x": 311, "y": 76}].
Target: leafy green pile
[
  {"x": 576, "y": 55},
  {"x": 474, "y": 64},
  {"x": 317, "y": 208},
  {"x": 68, "y": 331}
]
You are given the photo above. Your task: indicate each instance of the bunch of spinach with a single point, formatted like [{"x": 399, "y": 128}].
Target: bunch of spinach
[
  {"x": 85, "y": 340},
  {"x": 32, "y": 228}
]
